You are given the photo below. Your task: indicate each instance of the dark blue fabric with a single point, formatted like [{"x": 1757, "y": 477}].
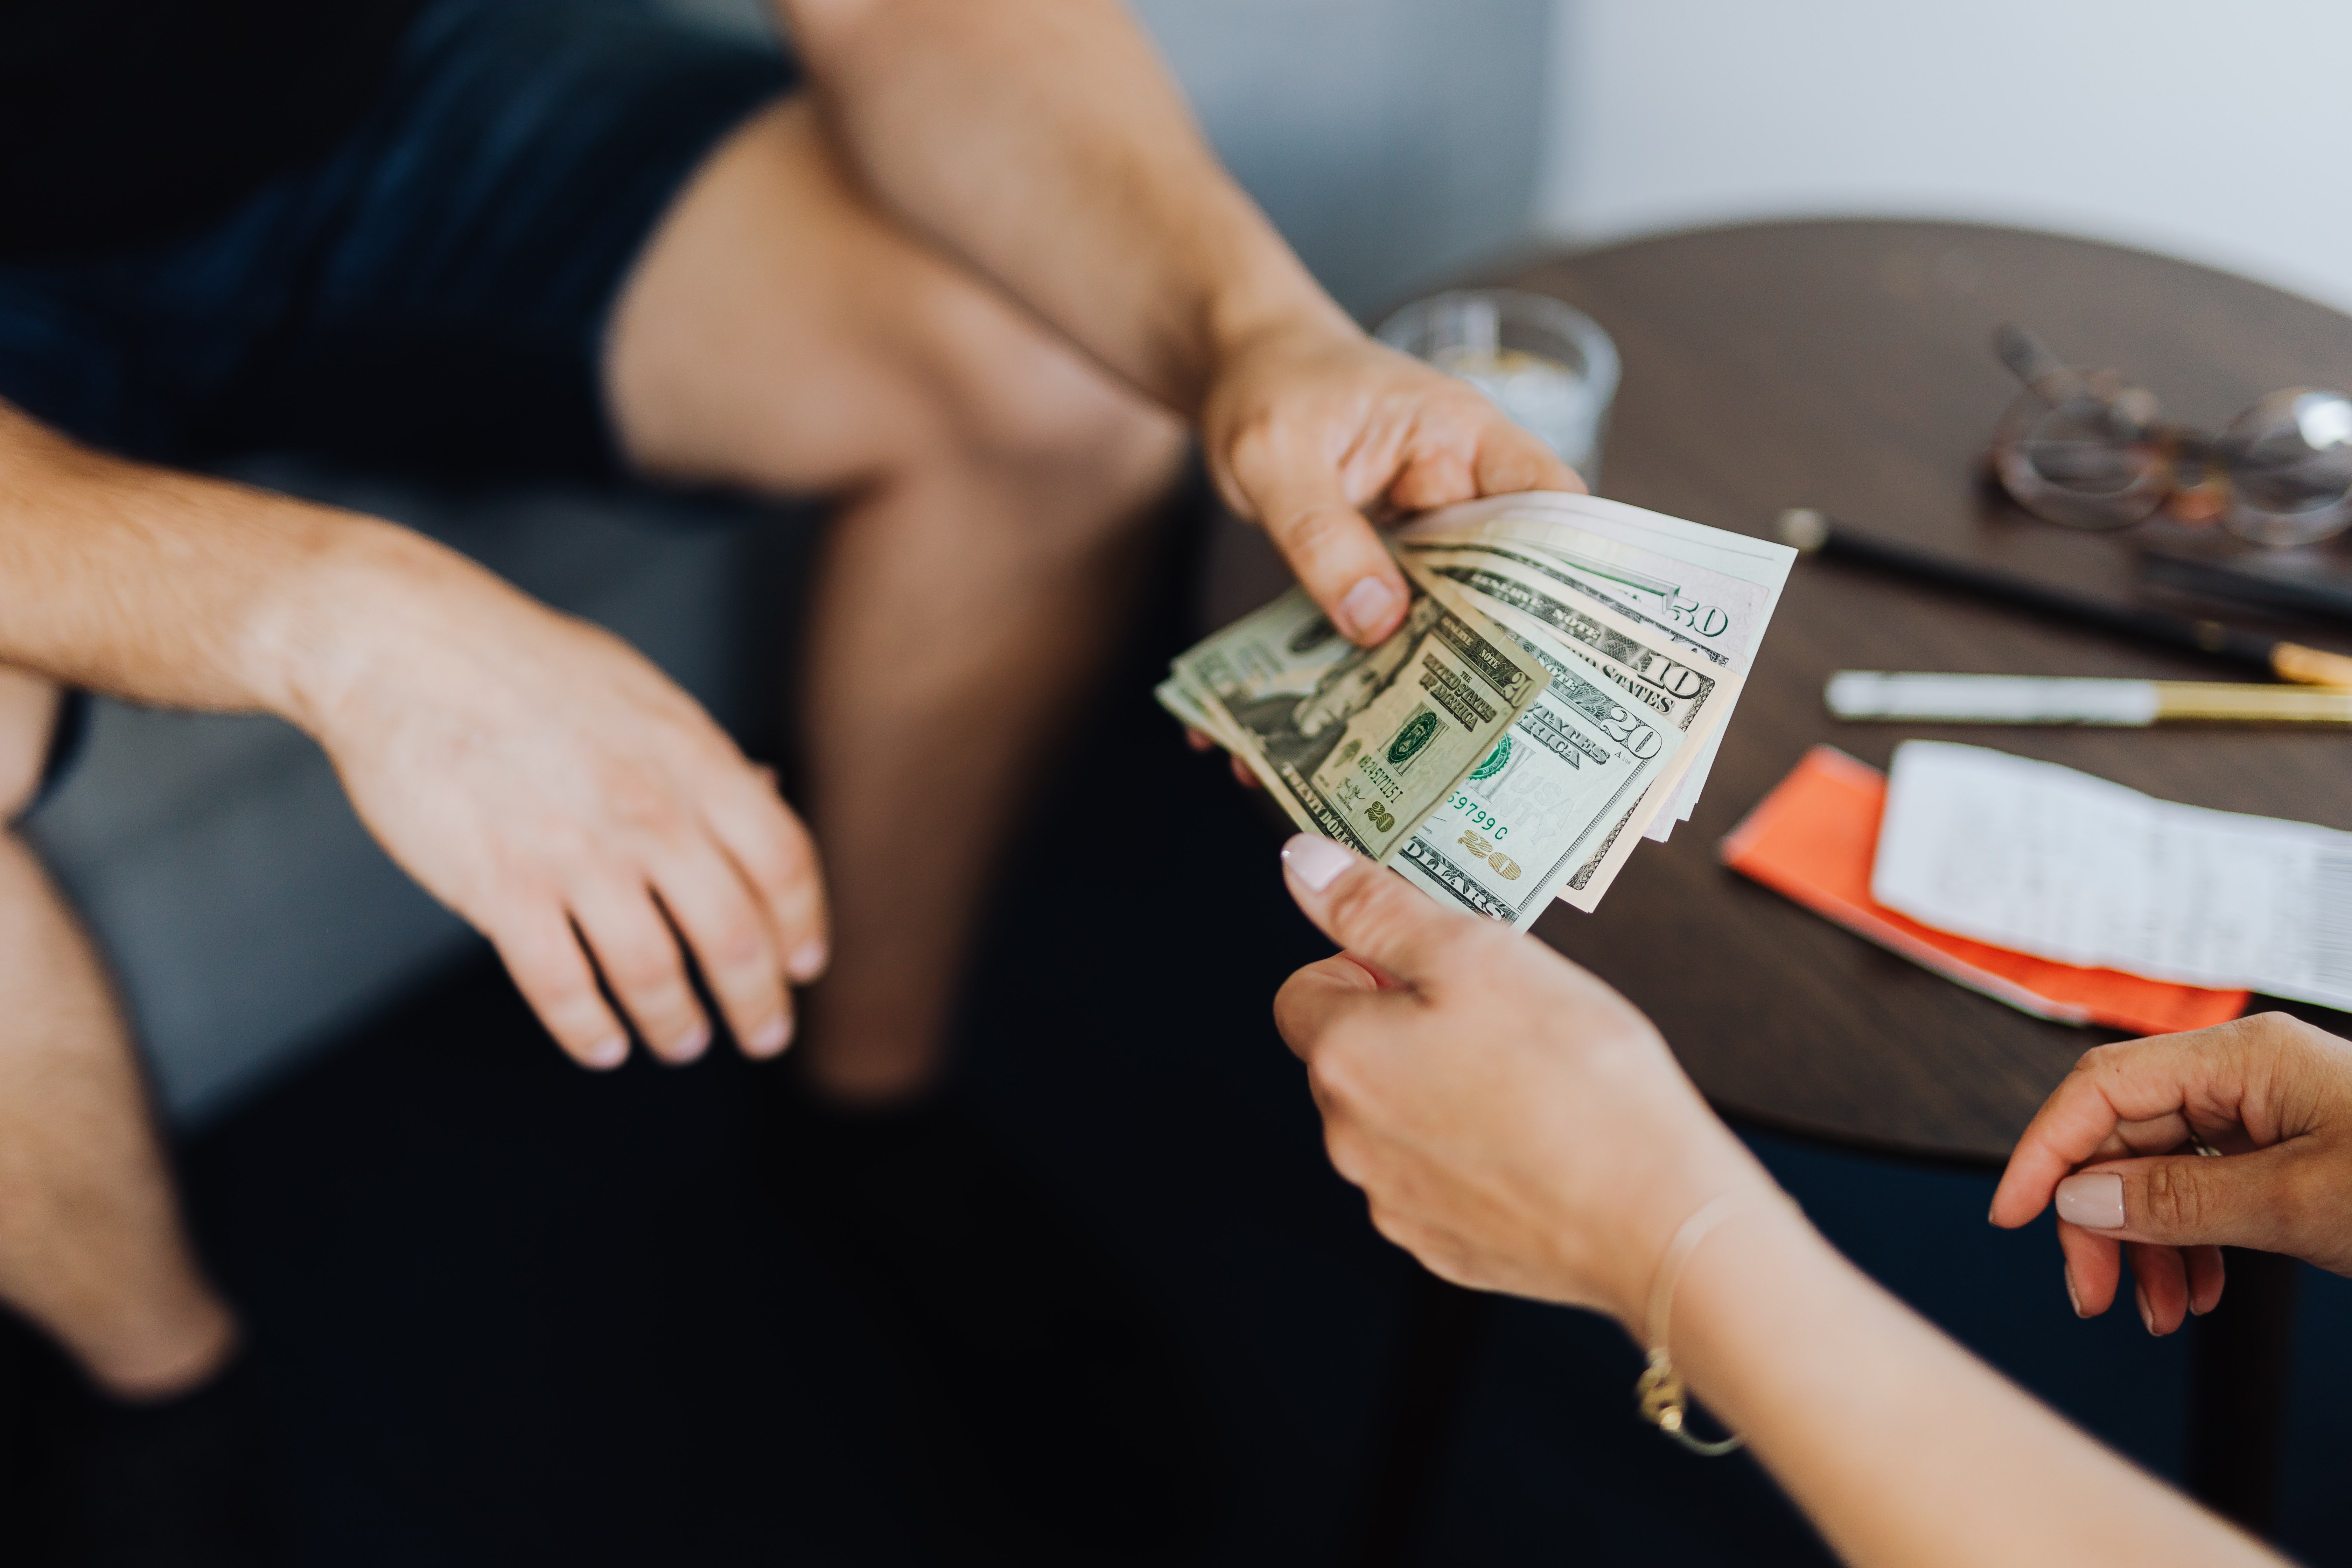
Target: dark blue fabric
[{"x": 433, "y": 294}]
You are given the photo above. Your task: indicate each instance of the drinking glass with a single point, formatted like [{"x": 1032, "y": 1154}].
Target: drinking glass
[{"x": 1548, "y": 365}]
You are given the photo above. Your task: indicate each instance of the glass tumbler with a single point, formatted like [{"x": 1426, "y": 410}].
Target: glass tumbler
[{"x": 1548, "y": 366}]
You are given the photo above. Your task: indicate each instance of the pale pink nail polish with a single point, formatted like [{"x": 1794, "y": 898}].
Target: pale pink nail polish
[
  {"x": 608, "y": 1052},
  {"x": 2146, "y": 1316},
  {"x": 808, "y": 960},
  {"x": 692, "y": 1044},
  {"x": 2093, "y": 1200},
  {"x": 771, "y": 1037},
  {"x": 1365, "y": 606},
  {"x": 2072, "y": 1299},
  {"x": 1317, "y": 862}
]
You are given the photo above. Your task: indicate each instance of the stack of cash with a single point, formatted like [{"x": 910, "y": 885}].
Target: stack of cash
[{"x": 1556, "y": 693}]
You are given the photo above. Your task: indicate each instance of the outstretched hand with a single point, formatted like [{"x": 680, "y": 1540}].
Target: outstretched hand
[
  {"x": 2115, "y": 1147},
  {"x": 1516, "y": 1123},
  {"x": 543, "y": 779},
  {"x": 1309, "y": 423}
]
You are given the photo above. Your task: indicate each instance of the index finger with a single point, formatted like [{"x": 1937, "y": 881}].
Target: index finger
[
  {"x": 2131, "y": 1081},
  {"x": 1506, "y": 458}
]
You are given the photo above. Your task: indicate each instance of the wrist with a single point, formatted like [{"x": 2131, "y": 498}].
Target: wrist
[
  {"x": 358, "y": 600},
  {"x": 1272, "y": 303},
  {"x": 1729, "y": 1178}
]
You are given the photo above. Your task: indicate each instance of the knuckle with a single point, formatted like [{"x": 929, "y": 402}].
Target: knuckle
[
  {"x": 1396, "y": 1226},
  {"x": 738, "y": 947},
  {"x": 562, "y": 992},
  {"x": 634, "y": 799},
  {"x": 539, "y": 968},
  {"x": 1321, "y": 528},
  {"x": 644, "y": 973},
  {"x": 777, "y": 864},
  {"x": 2170, "y": 1200},
  {"x": 1348, "y": 1157},
  {"x": 1366, "y": 907},
  {"x": 1331, "y": 1075},
  {"x": 1252, "y": 443},
  {"x": 2109, "y": 1058},
  {"x": 781, "y": 860}
]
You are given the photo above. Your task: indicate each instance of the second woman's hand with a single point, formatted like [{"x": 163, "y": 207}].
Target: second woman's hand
[{"x": 2115, "y": 1147}]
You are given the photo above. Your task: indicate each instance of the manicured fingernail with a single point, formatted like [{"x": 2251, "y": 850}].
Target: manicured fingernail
[
  {"x": 692, "y": 1044},
  {"x": 1366, "y": 606},
  {"x": 808, "y": 960},
  {"x": 771, "y": 1037},
  {"x": 2074, "y": 1300},
  {"x": 2093, "y": 1200},
  {"x": 608, "y": 1052},
  {"x": 2140, "y": 1294},
  {"x": 1317, "y": 862}
]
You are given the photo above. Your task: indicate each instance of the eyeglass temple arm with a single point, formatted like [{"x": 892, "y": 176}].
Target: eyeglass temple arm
[
  {"x": 2062, "y": 386},
  {"x": 2031, "y": 360}
]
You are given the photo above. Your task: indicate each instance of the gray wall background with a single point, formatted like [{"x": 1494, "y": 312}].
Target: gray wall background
[{"x": 2207, "y": 132}]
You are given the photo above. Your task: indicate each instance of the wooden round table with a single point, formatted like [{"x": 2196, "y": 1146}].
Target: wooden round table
[{"x": 1847, "y": 366}]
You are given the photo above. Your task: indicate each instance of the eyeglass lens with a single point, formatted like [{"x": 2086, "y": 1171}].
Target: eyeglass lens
[
  {"x": 2290, "y": 460},
  {"x": 2068, "y": 464}
]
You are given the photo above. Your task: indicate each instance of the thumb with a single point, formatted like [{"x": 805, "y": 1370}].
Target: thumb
[
  {"x": 2187, "y": 1200},
  {"x": 1376, "y": 914}
]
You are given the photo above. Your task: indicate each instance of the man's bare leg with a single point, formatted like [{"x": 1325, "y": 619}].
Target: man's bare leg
[
  {"x": 783, "y": 335},
  {"x": 92, "y": 1248}
]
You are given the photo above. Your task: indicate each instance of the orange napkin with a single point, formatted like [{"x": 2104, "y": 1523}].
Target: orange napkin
[{"x": 1814, "y": 838}]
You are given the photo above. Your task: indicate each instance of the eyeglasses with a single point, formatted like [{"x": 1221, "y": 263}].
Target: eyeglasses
[{"x": 2083, "y": 449}]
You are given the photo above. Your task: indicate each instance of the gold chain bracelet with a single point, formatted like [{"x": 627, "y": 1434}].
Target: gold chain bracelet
[{"x": 1666, "y": 1402}]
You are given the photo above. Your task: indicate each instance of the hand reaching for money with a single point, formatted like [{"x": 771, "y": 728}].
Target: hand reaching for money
[{"x": 1309, "y": 423}]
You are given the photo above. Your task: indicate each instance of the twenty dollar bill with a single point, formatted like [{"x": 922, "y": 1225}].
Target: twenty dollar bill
[{"x": 1359, "y": 744}]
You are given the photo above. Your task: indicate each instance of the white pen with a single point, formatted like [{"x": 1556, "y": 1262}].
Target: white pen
[{"x": 1870, "y": 694}]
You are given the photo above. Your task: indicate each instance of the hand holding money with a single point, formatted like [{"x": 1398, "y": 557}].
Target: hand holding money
[{"x": 1563, "y": 670}]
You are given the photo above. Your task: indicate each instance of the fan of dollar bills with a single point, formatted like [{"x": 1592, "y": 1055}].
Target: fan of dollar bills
[{"x": 1555, "y": 694}]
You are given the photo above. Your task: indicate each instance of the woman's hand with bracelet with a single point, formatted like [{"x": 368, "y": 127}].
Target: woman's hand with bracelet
[
  {"x": 1515, "y": 1124},
  {"x": 2116, "y": 1146},
  {"x": 1518, "y": 1126}
]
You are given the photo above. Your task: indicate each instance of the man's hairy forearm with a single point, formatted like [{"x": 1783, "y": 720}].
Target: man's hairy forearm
[
  {"x": 185, "y": 591},
  {"x": 1043, "y": 142}
]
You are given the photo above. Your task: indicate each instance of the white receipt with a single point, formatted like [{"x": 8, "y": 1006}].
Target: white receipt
[{"x": 2042, "y": 860}]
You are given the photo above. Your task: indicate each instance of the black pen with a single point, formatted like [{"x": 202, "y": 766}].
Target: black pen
[{"x": 1815, "y": 534}]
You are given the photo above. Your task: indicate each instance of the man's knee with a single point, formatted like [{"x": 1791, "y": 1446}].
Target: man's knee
[
  {"x": 28, "y": 715},
  {"x": 1019, "y": 402}
]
